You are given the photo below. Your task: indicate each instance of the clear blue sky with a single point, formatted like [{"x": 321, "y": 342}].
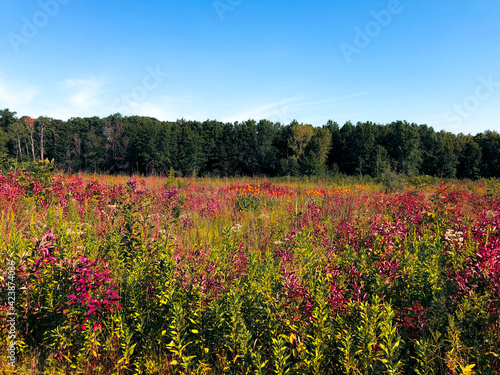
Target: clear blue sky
[{"x": 424, "y": 61}]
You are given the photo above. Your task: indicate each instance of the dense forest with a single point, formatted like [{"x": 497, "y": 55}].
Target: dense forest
[{"x": 118, "y": 144}]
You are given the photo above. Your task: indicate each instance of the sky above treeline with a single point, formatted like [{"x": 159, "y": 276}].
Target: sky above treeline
[{"x": 424, "y": 61}]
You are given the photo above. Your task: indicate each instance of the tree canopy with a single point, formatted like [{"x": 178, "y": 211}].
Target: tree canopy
[{"x": 144, "y": 145}]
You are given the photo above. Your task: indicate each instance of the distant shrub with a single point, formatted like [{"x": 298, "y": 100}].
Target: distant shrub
[{"x": 392, "y": 181}]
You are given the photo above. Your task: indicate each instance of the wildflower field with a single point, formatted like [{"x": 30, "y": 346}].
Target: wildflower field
[{"x": 211, "y": 276}]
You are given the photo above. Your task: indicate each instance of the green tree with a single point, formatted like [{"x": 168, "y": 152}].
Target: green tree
[
  {"x": 117, "y": 142},
  {"x": 428, "y": 145},
  {"x": 404, "y": 147},
  {"x": 267, "y": 152},
  {"x": 489, "y": 141},
  {"x": 247, "y": 144},
  {"x": 94, "y": 145},
  {"x": 218, "y": 143},
  {"x": 7, "y": 118},
  {"x": 363, "y": 147},
  {"x": 348, "y": 159},
  {"x": 8, "y": 121},
  {"x": 190, "y": 156},
  {"x": 334, "y": 155},
  {"x": 297, "y": 138},
  {"x": 18, "y": 140},
  {"x": 469, "y": 157},
  {"x": 382, "y": 161},
  {"x": 3, "y": 146},
  {"x": 316, "y": 154},
  {"x": 446, "y": 154},
  {"x": 57, "y": 144},
  {"x": 143, "y": 154}
]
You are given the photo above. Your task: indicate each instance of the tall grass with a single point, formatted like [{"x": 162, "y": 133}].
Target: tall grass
[{"x": 121, "y": 275}]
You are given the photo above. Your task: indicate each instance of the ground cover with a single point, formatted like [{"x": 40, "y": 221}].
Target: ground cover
[{"x": 169, "y": 275}]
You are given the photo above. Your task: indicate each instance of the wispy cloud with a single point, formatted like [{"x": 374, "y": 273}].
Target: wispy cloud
[
  {"x": 286, "y": 110},
  {"x": 84, "y": 94},
  {"x": 164, "y": 108},
  {"x": 70, "y": 98},
  {"x": 92, "y": 96},
  {"x": 331, "y": 100},
  {"x": 149, "y": 109},
  {"x": 76, "y": 97},
  {"x": 277, "y": 111},
  {"x": 16, "y": 96}
]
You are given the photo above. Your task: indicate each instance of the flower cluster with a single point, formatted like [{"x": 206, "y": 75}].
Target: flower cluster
[
  {"x": 298, "y": 300},
  {"x": 94, "y": 289},
  {"x": 45, "y": 249}
]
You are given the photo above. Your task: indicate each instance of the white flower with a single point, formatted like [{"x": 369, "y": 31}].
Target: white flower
[
  {"x": 453, "y": 236},
  {"x": 236, "y": 228},
  {"x": 71, "y": 231},
  {"x": 490, "y": 214}
]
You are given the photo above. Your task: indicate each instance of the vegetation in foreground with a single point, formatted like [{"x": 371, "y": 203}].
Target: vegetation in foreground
[{"x": 187, "y": 276}]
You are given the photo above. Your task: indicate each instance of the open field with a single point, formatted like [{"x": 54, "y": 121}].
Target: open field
[{"x": 116, "y": 275}]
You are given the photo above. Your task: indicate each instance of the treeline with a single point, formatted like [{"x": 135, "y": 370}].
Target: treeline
[{"x": 144, "y": 145}]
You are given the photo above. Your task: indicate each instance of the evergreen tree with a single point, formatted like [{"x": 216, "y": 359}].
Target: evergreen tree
[
  {"x": 469, "y": 157},
  {"x": 404, "y": 147},
  {"x": 489, "y": 142}
]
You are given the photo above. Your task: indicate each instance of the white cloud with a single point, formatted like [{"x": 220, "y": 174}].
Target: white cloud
[
  {"x": 280, "y": 111},
  {"x": 149, "y": 109},
  {"x": 162, "y": 108},
  {"x": 75, "y": 97},
  {"x": 17, "y": 96},
  {"x": 286, "y": 110},
  {"x": 69, "y": 98},
  {"x": 84, "y": 93},
  {"x": 331, "y": 100},
  {"x": 95, "y": 96}
]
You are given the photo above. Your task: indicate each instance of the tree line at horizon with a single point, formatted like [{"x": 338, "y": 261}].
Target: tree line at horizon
[{"x": 144, "y": 145}]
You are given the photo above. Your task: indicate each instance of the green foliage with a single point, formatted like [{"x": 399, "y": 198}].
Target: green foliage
[
  {"x": 248, "y": 203},
  {"x": 326, "y": 281},
  {"x": 426, "y": 357},
  {"x": 143, "y": 145},
  {"x": 392, "y": 181},
  {"x": 34, "y": 171},
  {"x": 180, "y": 339},
  {"x": 3, "y": 149}
]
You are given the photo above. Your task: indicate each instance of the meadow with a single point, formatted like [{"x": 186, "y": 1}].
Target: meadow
[{"x": 132, "y": 275}]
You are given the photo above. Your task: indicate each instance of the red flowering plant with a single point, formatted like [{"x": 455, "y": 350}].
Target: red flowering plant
[
  {"x": 296, "y": 300},
  {"x": 62, "y": 296},
  {"x": 94, "y": 290},
  {"x": 199, "y": 277},
  {"x": 87, "y": 305}
]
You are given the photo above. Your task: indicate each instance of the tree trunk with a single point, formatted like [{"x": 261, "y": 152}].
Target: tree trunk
[
  {"x": 19, "y": 145},
  {"x": 32, "y": 146},
  {"x": 41, "y": 143}
]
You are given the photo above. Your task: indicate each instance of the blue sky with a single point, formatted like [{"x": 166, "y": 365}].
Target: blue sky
[{"x": 429, "y": 62}]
